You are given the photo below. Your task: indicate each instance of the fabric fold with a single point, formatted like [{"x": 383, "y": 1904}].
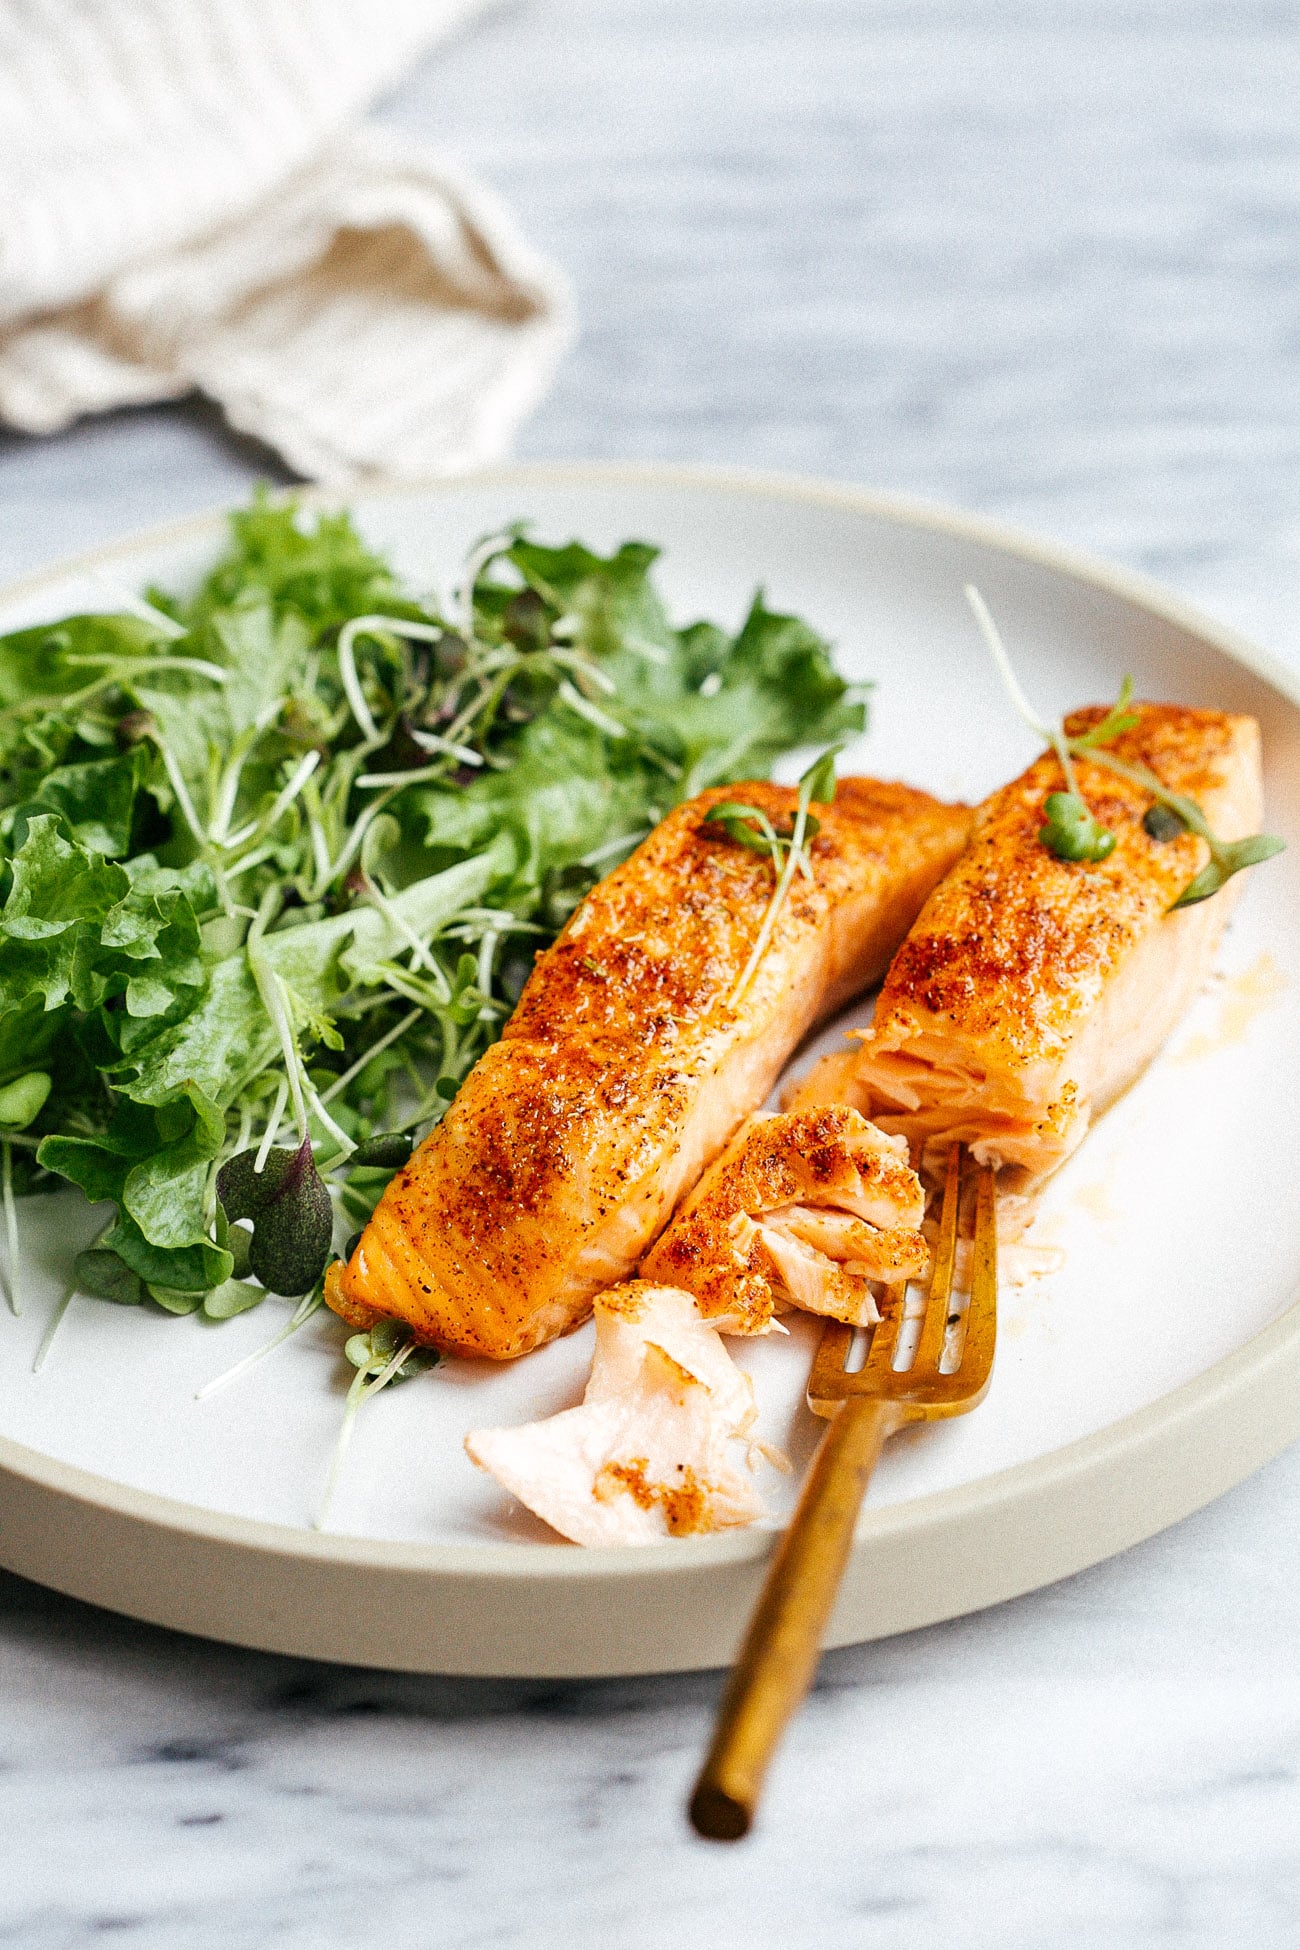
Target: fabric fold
[{"x": 370, "y": 311}]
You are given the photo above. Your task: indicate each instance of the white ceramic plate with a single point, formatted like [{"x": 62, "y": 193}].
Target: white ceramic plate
[{"x": 1161, "y": 1365}]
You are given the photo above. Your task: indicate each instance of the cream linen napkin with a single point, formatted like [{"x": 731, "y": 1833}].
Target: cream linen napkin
[{"x": 185, "y": 203}]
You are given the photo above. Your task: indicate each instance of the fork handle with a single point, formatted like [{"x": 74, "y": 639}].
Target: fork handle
[{"x": 776, "y": 1663}]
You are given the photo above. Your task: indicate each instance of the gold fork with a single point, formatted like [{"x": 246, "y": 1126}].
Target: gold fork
[{"x": 777, "y": 1661}]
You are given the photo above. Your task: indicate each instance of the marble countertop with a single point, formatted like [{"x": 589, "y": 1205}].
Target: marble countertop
[{"x": 1041, "y": 262}]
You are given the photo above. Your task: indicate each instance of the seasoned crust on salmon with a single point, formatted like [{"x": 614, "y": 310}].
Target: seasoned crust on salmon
[
  {"x": 1032, "y": 991},
  {"x": 802, "y": 1210},
  {"x": 625, "y": 1068}
]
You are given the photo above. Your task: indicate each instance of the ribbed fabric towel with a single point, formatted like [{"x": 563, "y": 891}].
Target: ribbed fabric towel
[{"x": 185, "y": 201}]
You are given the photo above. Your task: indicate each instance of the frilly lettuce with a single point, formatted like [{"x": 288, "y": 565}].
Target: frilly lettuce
[{"x": 259, "y": 880}]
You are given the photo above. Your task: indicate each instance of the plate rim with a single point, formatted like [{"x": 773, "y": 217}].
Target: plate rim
[
  {"x": 1244, "y": 1370},
  {"x": 1261, "y": 1373}
]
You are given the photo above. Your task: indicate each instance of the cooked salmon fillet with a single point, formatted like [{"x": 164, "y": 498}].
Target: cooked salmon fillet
[
  {"x": 802, "y": 1210},
  {"x": 658, "y": 1447},
  {"x": 1032, "y": 991},
  {"x": 626, "y": 1068}
]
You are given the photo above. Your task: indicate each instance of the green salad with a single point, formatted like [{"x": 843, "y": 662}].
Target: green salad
[{"x": 276, "y": 857}]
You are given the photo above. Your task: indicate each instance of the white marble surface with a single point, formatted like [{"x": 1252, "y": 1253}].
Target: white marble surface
[{"x": 1043, "y": 262}]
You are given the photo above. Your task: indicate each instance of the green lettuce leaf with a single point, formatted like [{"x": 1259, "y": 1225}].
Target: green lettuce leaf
[
  {"x": 566, "y": 794},
  {"x": 161, "y": 785},
  {"x": 95, "y": 801},
  {"x": 769, "y": 688},
  {"x": 56, "y": 660},
  {"x": 78, "y": 932},
  {"x": 323, "y": 573}
]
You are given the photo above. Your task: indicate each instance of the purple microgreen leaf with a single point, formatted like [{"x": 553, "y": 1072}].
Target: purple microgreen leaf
[
  {"x": 1162, "y": 823},
  {"x": 290, "y": 1211}
]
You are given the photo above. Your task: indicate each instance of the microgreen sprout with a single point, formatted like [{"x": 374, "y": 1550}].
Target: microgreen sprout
[
  {"x": 56, "y": 1321},
  {"x": 310, "y": 1304},
  {"x": 70, "y": 1291},
  {"x": 786, "y": 850},
  {"x": 374, "y": 626},
  {"x": 11, "y": 1227},
  {"x": 1071, "y": 831},
  {"x": 386, "y": 1354},
  {"x": 1227, "y": 857},
  {"x": 167, "y": 626},
  {"x": 291, "y": 1214},
  {"x": 314, "y": 752},
  {"x": 750, "y": 826},
  {"x": 182, "y": 791},
  {"x": 369, "y": 1055},
  {"x": 279, "y": 805},
  {"x": 20, "y": 1102}
]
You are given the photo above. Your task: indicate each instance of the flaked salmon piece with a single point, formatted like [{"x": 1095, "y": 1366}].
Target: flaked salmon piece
[
  {"x": 626, "y": 1066},
  {"x": 803, "y": 1210},
  {"x": 658, "y": 1447},
  {"x": 1033, "y": 991}
]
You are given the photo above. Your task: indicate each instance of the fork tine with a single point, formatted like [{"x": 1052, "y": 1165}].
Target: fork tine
[
  {"x": 982, "y": 1314},
  {"x": 935, "y": 1323},
  {"x": 884, "y": 1336},
  {"x": 826, "y": 1381}
]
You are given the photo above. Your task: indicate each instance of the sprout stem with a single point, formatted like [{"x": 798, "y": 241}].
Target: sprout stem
[
  {"x": 774, "y": 907},
  {"x": 1050, "y": 734},
  {"x": 266, "y": 823},
  {"x": 56, "y": 1318},
  {"x": 487, "y": 948},
  {"x": 419, "y": 950},
  {"x": 181, "y": 790},
  {"x": 273, "y": 1125},
  {"x": 302, "y": 1313},
  {"x": 227, "y": 793},
  {"x": 11, "y": 1230},
  {"x": 373, "y": 626},
  {"x": 364, "y": 1384},
  {"x": 317, "y": 1107},
  {"x": 351, "y": 682},
  {"x": 376, "y": 1049},
  {"x": 350, "y": 1407},
  {"x": 479, "y": 559},
  {"x": 420, "y": 775},
  {"x": 795, "y": 860},
  {"x": 320, "y": 846},
  {"x": 361, "y": 827},
  {"x": 1141, "y": 775},
  {"x": 166, "y": 625},
  {"x": 992, "y": 637},
  {"x": 583, "y": 707},
  {"x": 250, "y": 860},
  {"x": 584, "y": 670},
  {"x": 56, "y": 1321},
  {"x": 433, "y": 741},
  {"x": 273, "y": 994}
]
